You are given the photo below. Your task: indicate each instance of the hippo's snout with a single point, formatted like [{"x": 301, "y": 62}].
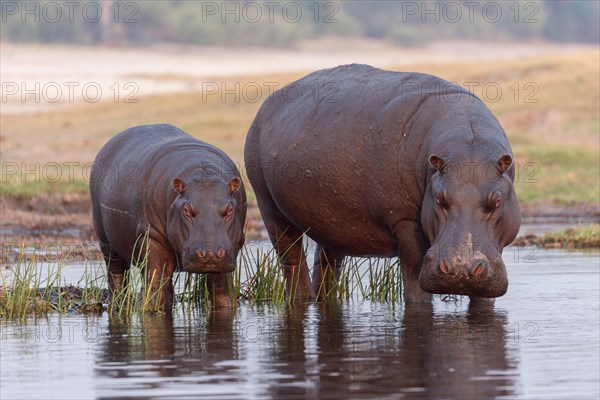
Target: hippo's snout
[
  {"x": 478, "y": 277},
  {"x": 211, "y": 256},
  {"x": 208, "y": 259}
]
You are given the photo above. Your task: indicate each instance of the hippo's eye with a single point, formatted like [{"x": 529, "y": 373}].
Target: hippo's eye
[
  {"x": 188, "y": 211},
  {"x": 495, "y": 201},
  {"x": 228, "y": 212}
]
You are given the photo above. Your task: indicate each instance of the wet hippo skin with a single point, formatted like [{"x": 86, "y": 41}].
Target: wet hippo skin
[
  {"x": 157, "y": 190},
  {"x": 369, "y": 162}
]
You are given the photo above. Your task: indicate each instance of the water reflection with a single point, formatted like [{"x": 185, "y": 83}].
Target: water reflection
[
  {"x": 315, "y": 351},
  {"x": 539, "y": 342},
  {"x": 457, "y": 356},
  {"x": 423, "y": 356},
  {"x": 163, "y": 346}
]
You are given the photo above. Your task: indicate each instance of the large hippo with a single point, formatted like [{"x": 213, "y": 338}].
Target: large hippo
[
  {"x": 369, "y": 162},
  {"x": 156, "y": 189}
]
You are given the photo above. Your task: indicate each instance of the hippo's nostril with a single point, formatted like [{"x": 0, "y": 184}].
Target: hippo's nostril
[
  {"x": 201, "y": 254},
  {"x": 477, "y": 267},
  {"x": 444, "y": 267},
  {"x": 221, "y": 254}
]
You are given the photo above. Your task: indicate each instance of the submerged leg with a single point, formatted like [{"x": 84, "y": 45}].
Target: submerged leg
[
  {"x": 286, "y": 239},
  {"x": 116, "y": 268},
  {"x": 218, "y": 289},
  {"x": 413, "y": 247},
  {"x": 481, "y": 300},
  {"x": 288, "y": 245},
  {"x": 158, "y": 291},
  {"x": 326, "y": 271}
]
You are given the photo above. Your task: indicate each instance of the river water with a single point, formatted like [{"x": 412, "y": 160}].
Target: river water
[{"x": 539, "y": 341}]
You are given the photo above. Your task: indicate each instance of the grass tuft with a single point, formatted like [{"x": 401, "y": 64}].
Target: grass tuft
[
  {"x": 262, "y": 279},
  {"x": 258, "y": 279},
  {"x": 582, "y": 236},
  {"x": 25, "y": 292},
  {"x": 579, "y": 237}
]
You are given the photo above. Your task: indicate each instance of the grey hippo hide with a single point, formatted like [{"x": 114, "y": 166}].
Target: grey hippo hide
[
  {"x": 369, "y": 162},
  {"x": 158, "y": 191}
]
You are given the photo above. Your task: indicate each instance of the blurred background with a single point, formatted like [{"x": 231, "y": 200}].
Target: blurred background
[
  {"x": 74, "y": 73},
  {"x": 261, "y": 23}
]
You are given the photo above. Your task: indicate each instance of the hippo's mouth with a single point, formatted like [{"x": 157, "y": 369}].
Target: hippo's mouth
[
  {"x": 464, "y": 286},
  {"x": 208, "y": 267},
  {"x": 470, "y": 279}
]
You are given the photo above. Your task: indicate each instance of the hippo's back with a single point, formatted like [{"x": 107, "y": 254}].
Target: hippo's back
[
  {"x": 136, "y": 157},
  {"x": 136, "y": 145}
]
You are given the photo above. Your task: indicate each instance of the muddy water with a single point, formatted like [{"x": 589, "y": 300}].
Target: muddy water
[{"x": 540, "y": 341}]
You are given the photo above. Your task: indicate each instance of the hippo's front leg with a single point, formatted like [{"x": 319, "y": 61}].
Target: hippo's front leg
[
  {"x": 158, "y": 292},
  {"x": 218, "y": 288},
  {"x": 413, "y": 247}
]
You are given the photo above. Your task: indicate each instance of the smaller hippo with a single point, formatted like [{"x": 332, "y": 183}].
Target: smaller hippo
[{"x": 157, "y": 190}]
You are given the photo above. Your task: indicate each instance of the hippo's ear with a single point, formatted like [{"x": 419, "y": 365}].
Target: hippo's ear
[
  {"x": 234, "y": 184},
  {"x": 179, "y": 185},
  {"x": 436, "y": 162},
  {"x": 504, "y": 163}
]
